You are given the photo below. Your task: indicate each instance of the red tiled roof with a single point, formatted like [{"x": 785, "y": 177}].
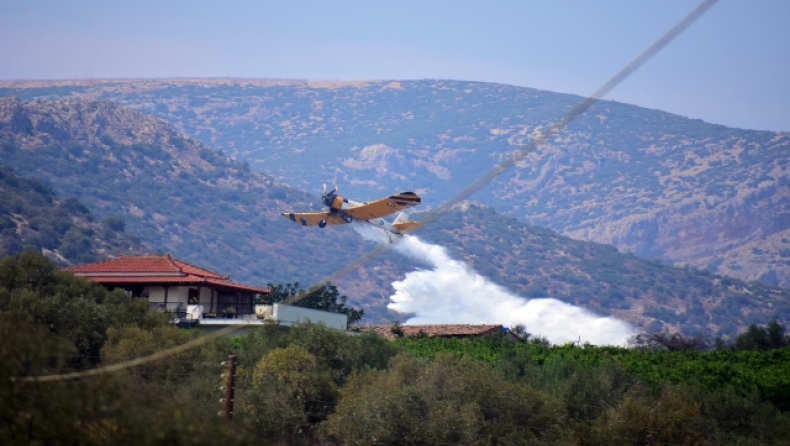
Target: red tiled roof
[
  {"x": 443, "y": 330},
  {"x": 156, "y": 270},
  {"x": 133, "y": 264}
]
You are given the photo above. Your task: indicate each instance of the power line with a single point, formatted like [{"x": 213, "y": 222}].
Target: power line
[
  {"x": 135, "y": 362},
  {"x": 534, "y": 143},
  {"x": 494, "y": 173}
]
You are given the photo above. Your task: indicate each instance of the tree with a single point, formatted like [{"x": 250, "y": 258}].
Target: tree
[
  {"x": 770, "y": 337},
  {"x": 290, "y": 391},
  {"x": 325, "y": 297},
  {"x": 674, "y": 342},
  {"x": 443, "y": 401},
  {"x": 397, "y": 330},
  {"x": 33, "y": 290},
  {"x": 115, "y": 223},
  {"x": 673, "y": 419}
]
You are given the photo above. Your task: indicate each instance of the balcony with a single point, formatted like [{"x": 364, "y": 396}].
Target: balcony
[{"x": 190, "y": 315}]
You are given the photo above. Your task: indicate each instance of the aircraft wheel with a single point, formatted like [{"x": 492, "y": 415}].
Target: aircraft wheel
[
  {"x": 322, "y": 224},
  {"x": 347, "y": 218}
]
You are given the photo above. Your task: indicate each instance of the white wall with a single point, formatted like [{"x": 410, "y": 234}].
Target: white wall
[
  {"x": 289, "y": 315},
  {"x": 155, "y": 293},
  {"x": 205, "y": 297},
  {"x": 174, "y": 294},
  {"x": 178, "y": 294}
]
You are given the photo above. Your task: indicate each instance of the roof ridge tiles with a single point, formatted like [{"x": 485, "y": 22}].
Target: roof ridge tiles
[
  {"x": 172, "y": 262},
  {"x": 213, "y": 273}
]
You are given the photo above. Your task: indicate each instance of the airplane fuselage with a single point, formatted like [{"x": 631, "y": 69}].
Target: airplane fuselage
[
  {"x": 377, "y": 223},
  {"x": 337, "y": 203}
]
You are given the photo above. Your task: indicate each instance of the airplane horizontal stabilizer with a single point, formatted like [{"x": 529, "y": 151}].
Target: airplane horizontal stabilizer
[{"x": 402, "y": 223}]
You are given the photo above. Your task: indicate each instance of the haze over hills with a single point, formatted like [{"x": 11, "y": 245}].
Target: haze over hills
[
  {"x": 652, "y": 183},
  {"x": 179, "y": 196}
]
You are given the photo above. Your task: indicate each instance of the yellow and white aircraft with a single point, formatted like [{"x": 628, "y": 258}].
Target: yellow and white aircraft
[{"x": 342, "y": 211}]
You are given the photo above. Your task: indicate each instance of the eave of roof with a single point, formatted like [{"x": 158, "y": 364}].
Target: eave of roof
[
  {"x": 176, "y": 280},
  {"x": 240, "y": 286}
]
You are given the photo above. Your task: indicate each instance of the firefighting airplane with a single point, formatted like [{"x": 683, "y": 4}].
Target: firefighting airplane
[{"x": 342, "y": 211}]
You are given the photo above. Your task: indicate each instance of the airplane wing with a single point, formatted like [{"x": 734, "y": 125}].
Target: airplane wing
[
  {"x": 383, "y": 207},
  {"x": 313, "y": 218}
]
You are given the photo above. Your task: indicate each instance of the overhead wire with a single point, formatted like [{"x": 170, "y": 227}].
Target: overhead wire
[
  {"x": 137, "y": 361},
  {"x": 540, "y": 139}
]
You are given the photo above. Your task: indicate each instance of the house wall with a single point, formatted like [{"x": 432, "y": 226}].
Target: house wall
[
  {"x": 208, "y": 299},
  {"x": 205, "y": 297},
  {"x": 178, "y": 294},
  {"x": 175, "y": 294},
  {"x": 155, "y": 293}
]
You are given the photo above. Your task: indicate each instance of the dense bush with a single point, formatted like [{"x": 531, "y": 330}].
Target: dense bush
[
  {"x": 311, "y": 385},
  {"x": 443, "y": 401},
  {"x": 34, "y": 291},
  {"x": 770, "y": 337}
]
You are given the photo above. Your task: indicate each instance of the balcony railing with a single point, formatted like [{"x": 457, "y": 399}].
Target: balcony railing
[
  {"x": 183, "y": 313},
  {"x": 177, "y": 309}
]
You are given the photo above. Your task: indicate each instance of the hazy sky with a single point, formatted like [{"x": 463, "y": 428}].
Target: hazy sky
[{"x": 732, "y": 67}]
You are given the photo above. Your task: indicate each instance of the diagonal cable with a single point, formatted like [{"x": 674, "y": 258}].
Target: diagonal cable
[
  {"x": 137, "y": 361},
  {"x": 494, "y": 173},
  {"x": 533, "y": 145}
]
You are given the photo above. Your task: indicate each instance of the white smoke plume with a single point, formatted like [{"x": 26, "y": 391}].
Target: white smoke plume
[{"x": 452, "y": 293}]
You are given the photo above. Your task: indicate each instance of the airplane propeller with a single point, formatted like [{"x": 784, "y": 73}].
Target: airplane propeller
[{"x": 328, "y": 197}]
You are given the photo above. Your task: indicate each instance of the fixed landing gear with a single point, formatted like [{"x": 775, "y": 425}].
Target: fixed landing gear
[
  {"x": 322, "y": 224},
  {"x": 347, "y": 218}
]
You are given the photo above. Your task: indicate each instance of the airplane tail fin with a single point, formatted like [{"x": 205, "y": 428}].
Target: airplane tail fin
[{"x": 402, "y": 223}]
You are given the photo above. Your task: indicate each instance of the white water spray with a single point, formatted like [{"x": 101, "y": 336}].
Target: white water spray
[{"x": 453, "y": 293}]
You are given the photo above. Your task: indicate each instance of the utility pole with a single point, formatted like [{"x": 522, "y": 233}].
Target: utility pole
[{"x": 230, "y": 382}]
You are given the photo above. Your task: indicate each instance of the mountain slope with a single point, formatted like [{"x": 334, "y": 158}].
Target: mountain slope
[
  {"x": 652, "y": 183},
  {"x": 32, "y": 217},
  {"x": 174, "y": 193},
  {"x": 180, "y": 197},
  {"x": 538, "y": 262}
]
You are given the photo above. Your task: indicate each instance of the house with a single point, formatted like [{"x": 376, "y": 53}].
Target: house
[
  {"x": 197, "y": 296},
  {"x": 440, "y": 330},
  {"x": 174, "y": 285}
]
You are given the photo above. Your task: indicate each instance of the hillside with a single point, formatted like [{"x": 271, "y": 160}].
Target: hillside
[
  {"x": 178, "y": 196},
  {"x": 652, "y": 183},
  {"x": 33, "y": 218},
  {"x": 174, "y": 193},
  {"x": 538, "y": 262}
]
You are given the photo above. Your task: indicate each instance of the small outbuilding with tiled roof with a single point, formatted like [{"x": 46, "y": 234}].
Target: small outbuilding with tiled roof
[
  {"x": 174, "y": 285},
  {"x": 437, "y": 330}
]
